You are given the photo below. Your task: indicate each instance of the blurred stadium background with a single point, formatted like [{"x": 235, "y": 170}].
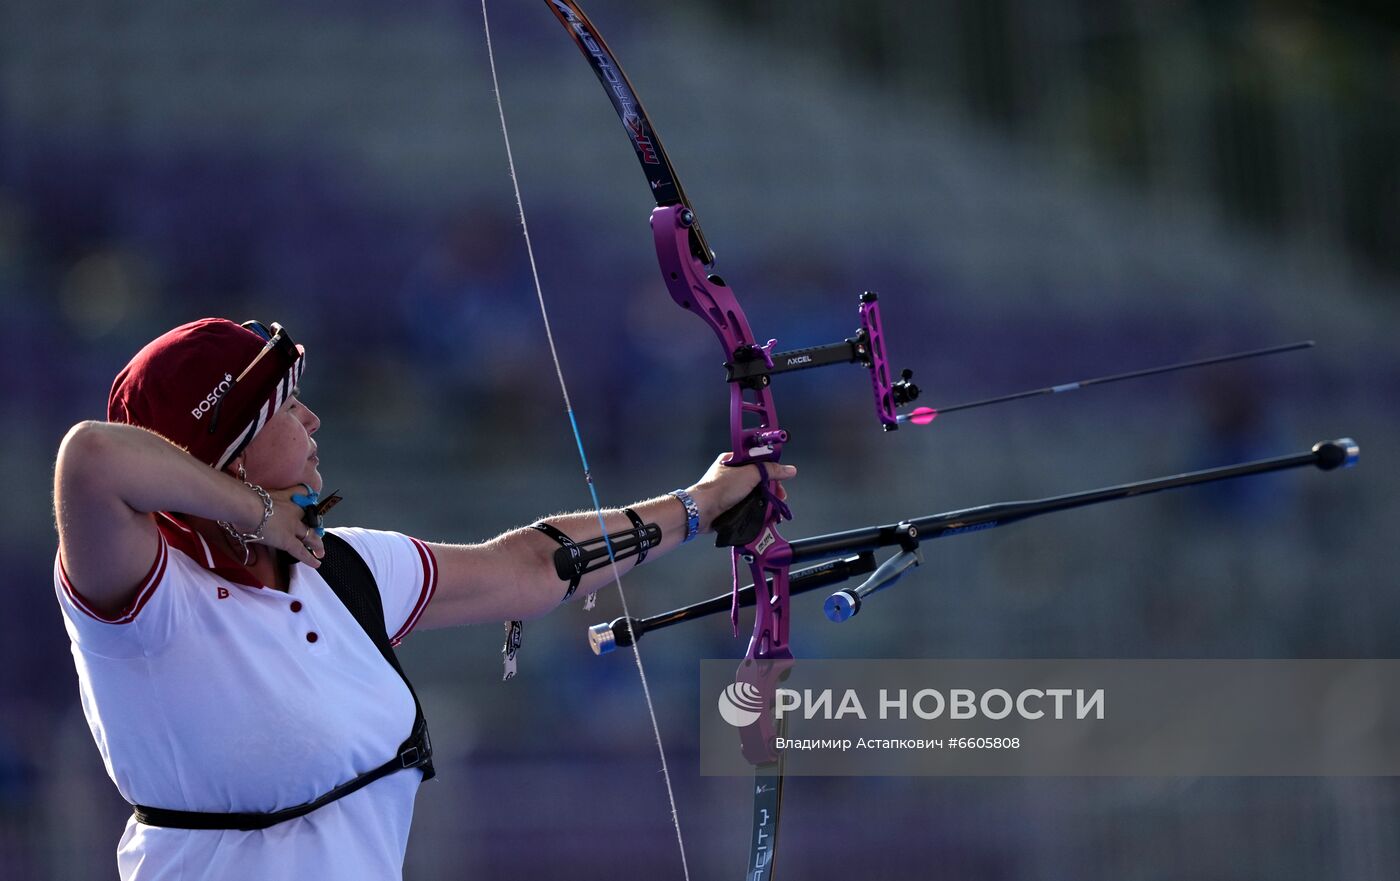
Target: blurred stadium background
[{"x": 1039, "y": 191}]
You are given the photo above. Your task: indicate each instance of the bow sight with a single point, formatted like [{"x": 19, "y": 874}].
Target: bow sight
[{"x": 752, "y": 366}]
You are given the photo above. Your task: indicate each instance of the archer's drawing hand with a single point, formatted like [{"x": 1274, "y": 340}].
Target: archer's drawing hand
[
  {"x": 723, "y": 487},
  {"x": 286, "y": 531}
]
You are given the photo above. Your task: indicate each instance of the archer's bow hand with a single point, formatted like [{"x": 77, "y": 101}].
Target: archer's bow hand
[{"x": 724, "y": 489}]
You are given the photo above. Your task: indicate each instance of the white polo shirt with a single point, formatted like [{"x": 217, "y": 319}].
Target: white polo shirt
[{"x": 213, "y": 693}]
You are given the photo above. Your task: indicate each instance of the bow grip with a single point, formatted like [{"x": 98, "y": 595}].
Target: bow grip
[{"x": 742, "y": 523}]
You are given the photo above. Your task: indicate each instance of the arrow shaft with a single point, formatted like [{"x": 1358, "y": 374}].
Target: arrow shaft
[{"x": 1119, "y": 377}]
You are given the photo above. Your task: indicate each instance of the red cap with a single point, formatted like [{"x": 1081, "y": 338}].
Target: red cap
[{"x": 209, "y": 386}]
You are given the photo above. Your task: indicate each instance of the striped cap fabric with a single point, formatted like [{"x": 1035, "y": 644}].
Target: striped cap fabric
[{"x": 209, "y": 386}]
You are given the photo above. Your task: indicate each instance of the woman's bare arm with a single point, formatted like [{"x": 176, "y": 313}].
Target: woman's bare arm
[
  {"x": 108, "y": 482},
  {"x": 513, "y": 577}
]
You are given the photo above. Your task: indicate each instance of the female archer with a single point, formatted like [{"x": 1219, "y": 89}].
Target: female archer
[{"x": 235, "y": 659}]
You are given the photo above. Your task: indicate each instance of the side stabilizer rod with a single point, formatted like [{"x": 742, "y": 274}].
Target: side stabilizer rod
[{"x": 624, "y": 631}]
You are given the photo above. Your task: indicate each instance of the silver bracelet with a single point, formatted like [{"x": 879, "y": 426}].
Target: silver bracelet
[{"x": 244, "y": 538}]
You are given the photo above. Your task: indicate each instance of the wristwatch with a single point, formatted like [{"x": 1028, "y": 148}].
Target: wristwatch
[{"x": 692, "y": 514}]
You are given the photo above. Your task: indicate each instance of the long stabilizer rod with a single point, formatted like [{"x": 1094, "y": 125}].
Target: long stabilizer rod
[
  {"x": 1325, "y": 455},
  {"x": 856, "y": 547}
]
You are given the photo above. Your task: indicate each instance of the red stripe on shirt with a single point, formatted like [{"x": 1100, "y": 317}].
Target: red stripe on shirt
[
  {"x": 190, "y": 543},
  {"x": 143, "y": 593},
  {"x": 429, "y": 563}
]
